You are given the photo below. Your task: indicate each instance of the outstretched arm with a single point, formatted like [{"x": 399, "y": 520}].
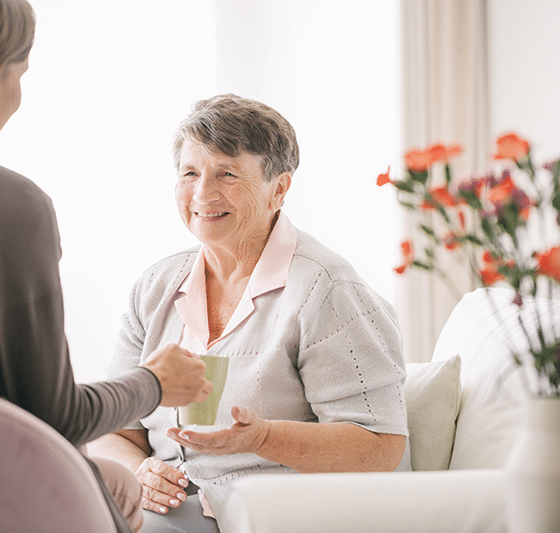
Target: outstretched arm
[{"x": 304, "y": 446}]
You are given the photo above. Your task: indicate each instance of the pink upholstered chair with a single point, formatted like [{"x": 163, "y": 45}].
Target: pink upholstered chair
[{"x": 46, "y": 485}]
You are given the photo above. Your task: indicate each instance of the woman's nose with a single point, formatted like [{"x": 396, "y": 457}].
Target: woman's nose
[{"x": 206, "y": 189}]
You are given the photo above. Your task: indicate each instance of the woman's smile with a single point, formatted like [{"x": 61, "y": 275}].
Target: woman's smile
[{"x": 211, "y": 216}]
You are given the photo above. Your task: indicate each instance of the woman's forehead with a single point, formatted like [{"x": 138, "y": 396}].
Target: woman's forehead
[{"x": 195, "y": 153}]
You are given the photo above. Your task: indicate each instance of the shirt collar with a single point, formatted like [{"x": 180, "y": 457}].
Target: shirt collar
[{"x": 270, "y": 273}]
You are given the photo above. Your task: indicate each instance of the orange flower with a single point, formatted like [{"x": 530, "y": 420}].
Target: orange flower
[
  {"x": 439, "y": 196},
  {"x": 407, "y": 252},
  {"x": 511, "y": 146},
  {"x": 549, "y": 263},
  {"x": 490, "y": 274},
  {"x": 473, "y": 185},
  {"x": 417, "y": 160},
  {"x": 451, "y": 241},
  {"x": 462, "y": 221},
  {"x": 382, "y": 179},
  {"x": 501, "y": 192},
  {"x": 440, "y": 152},
  {"x": 506, "y": 192}
]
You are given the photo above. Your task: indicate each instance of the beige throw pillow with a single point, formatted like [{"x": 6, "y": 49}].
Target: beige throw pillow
[{"x": 433, "y": 395}]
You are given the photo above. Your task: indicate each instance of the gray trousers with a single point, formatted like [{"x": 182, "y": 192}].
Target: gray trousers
[{"x": 187, "y": 517}]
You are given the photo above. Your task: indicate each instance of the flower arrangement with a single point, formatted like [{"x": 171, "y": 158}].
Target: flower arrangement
[{"x": 499, "y": 221}]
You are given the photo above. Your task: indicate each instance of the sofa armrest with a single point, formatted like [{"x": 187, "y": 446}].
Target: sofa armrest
[{"x": 462, "y": 501}]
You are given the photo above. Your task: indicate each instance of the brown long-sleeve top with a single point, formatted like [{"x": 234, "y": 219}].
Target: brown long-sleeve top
[{"x": 35, "y": 368}]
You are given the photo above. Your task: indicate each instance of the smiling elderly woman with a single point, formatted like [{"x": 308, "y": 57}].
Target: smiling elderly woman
[{"x": 315, "y": 363}]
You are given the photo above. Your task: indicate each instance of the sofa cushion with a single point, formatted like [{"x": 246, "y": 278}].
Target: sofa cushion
[
  {"x": 432, "y": 392},
  {"x": 403, "y": 502},
  {"x": 484, "y": 328}
]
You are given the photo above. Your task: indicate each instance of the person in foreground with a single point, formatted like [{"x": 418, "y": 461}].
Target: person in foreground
[
  {"x": 35, "y": 369},
  {"x": 315, "y": 361}
]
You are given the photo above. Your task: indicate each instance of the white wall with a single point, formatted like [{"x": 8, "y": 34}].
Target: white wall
[
  {"x": 524, "y": 43},
  {"x": 110, "y": 80}
]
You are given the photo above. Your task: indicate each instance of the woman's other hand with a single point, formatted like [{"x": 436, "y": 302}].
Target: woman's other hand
[
  {"x": 162, "y": 485},
  {"x": 246, "y": 435}
]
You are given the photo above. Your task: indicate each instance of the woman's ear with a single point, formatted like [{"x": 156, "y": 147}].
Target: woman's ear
[{"x": 281, "y": 186}]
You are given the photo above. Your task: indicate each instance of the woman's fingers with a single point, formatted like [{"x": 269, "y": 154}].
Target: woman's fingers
[
  {"x": 243, "y": 415},
  {"x": 162, "y": 485},
  {"x": 246, "y": 435}
]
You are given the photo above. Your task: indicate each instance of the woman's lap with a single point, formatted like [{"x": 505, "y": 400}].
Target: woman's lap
[{"x": 187, "y": 517}]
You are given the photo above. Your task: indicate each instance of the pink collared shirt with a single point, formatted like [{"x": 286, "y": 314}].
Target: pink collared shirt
[{"x": 270, "y": 273}]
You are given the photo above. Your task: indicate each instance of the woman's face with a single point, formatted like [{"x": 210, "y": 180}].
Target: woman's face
[
  {"x": 10, "y": 89},
  {"x": 225, "y": 201}
]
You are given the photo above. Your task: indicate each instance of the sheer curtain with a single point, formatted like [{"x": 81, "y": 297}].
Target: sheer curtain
[
  {"x": 445, "y": 99},
  {"x": 109, "y": 82}
]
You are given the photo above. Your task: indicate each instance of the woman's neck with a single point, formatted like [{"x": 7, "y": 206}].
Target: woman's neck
[{"x": 226, "y": 264}]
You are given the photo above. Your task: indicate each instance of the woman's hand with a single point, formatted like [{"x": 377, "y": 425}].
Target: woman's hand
[
  {"x": 246, "y": 435},
  {"x": 162, "y": 485}
]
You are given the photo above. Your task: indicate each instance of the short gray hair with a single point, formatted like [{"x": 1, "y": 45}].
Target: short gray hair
[
  {"x": 17, "y": 31},
  {"x": 230, "y": 124}
]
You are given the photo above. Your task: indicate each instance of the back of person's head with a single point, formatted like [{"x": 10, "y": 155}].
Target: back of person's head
[
  {"x": 17, "y": 31},
  {"x": 231, "y": 124}
]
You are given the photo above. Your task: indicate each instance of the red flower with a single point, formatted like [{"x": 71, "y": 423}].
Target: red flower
[
  {"x": 549, "y": 263},
  {"x": 420, "y": 160},
  {"x": 511, "y": 146},
  {"x": 501, "y": 193},
  {"x": 490, "y": 273},
  {"x": 440, "y": 152},
  {"x": 489, "y": 276},
  {"x": 473, "y": 185},
  {"x": 451, "y": 241},
  {"x": 382, "y": 179},
  {"x": 407, "y": 251},
  {"x": 439, "y": 196},
  {"x": 506, "y": 192},
  {"x": 462, "y": 220},
  {"x": 417, "y": 160},
  {"x": 443, "y": 197}
]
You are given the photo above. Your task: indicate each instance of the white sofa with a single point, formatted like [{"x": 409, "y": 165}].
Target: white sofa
[{"x": 464, "y": 409}]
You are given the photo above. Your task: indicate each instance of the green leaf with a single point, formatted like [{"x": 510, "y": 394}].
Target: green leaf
[
  {"x": 471, "y": 199},
  {"x": 473, "y": 239},
  {"x": 423, "y": 266},
  {"x": 556, "y": 201},
  {"x": 420, "y": 177},
  {"x": 428, "y": 231},
  {"x": 487, "y": 228},
  {"x": 443, "y": 213},
  {"x": 510, "y": 219},
  {"x": 405, "y": 186},
  {"x": 447, "y": 174}
]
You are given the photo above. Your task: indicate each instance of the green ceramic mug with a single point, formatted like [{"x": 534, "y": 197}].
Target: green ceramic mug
[{"x": 204, "y": 413}]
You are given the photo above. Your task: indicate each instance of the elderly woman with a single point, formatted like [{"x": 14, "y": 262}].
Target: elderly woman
[{"x": 315, "y": 365}]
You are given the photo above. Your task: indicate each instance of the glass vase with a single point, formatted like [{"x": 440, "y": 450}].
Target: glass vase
[{"x": 533, "y": 470}]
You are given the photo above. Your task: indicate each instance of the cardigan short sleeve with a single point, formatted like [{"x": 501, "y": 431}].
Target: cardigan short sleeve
[{"x": 350, "y": 359}]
